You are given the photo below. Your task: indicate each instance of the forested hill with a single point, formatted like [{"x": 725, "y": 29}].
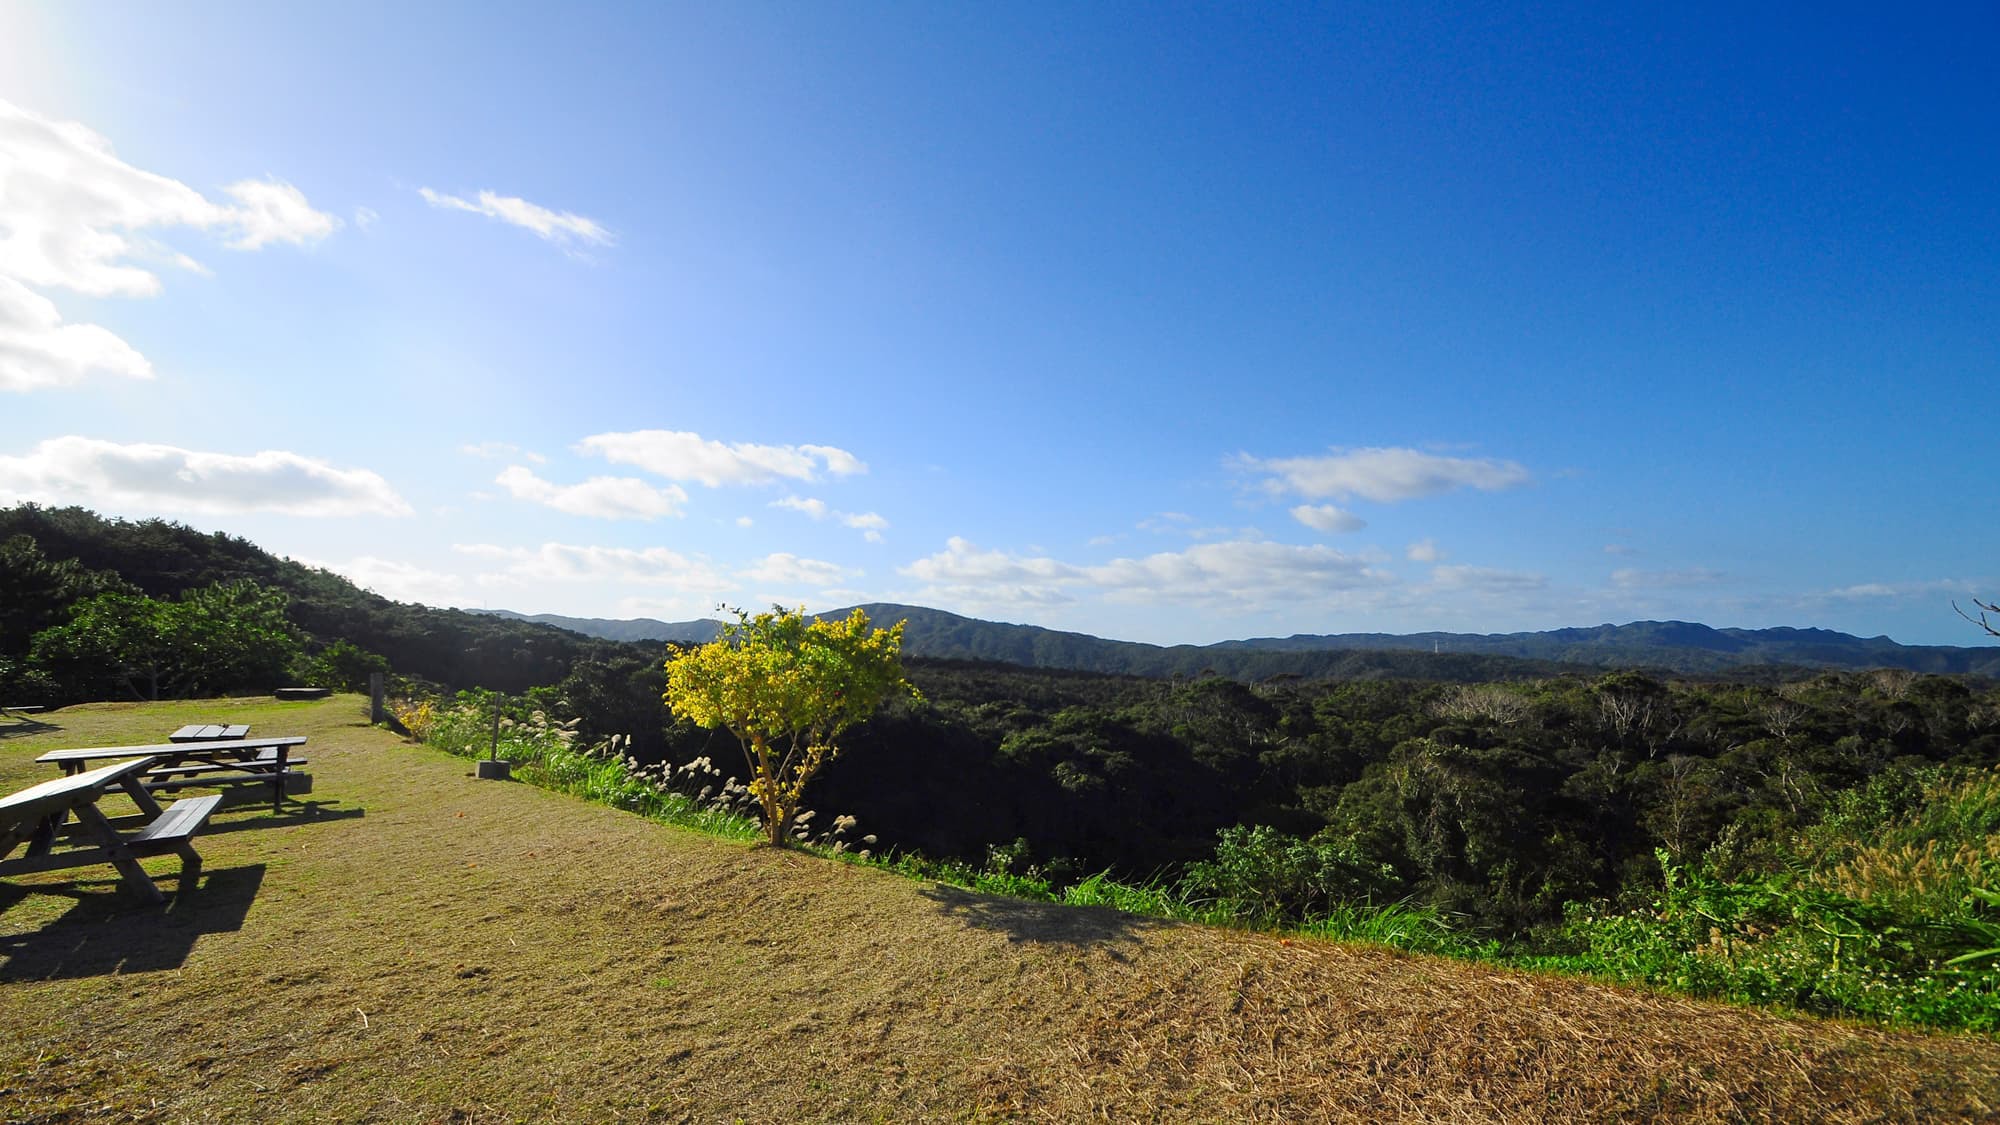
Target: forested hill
[
  {"x": 1675, "y": 646},
  {"x": 622, "y": 629},
  {"x": 166, "y": 560}
]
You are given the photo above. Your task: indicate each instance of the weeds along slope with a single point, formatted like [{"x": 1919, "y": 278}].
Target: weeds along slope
[{"x": 424, "y": 946}]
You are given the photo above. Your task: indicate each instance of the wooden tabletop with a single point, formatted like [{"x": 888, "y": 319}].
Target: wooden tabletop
[
  {"x": 37, "y": 801},
  {"x": 170, "y": 749}
]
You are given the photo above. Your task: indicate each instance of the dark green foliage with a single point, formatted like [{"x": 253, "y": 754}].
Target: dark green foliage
[
  {"x": 342, "y": 666},
  {"x": 166, "y": 560},
  {"x": 229, "y": 636},
  {"x": 1262, "y": 875}
]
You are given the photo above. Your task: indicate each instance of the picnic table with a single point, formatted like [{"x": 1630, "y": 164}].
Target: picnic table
[
  {"x": 21, "y": 712},
  {"x": 173, "y": 766},
  {"x": 209, "y": 732},
  {"x": 36, "y": 816}
]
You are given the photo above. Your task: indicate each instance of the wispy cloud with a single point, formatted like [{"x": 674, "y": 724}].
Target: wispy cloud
[
  {"x": 74, "y": 216},
  {"x": 500, "y": 450},
  {"x": 399, "y": 581},
  {"x": 567, "y": 562},
  {"x": 164, "y": 478},
  {"x": 608, "y": 498},
  {"x": 784, "y": 569},
  {"x": 678, "y": 455},
  {"x": 564, "y": 228},
  {"x": 1629, "y": 578},
  {"x": 870, "y": 524},
  {"x": 1326, "y": 517},
  {"x": 1244, "y": 574},
  {"x": 1385, "y": 475}
]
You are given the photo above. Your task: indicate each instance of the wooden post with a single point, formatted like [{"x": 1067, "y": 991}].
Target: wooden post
[{"x": 377, "y": 712}]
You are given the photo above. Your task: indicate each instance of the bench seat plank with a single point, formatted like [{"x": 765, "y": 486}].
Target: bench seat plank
[{"x": 181, "y": 820}]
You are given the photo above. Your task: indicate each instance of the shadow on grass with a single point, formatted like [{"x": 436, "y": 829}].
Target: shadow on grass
[
  {"x": 22, "y": 728},
  {"x": 108, "y": 932},
  {"x": 260, "y": 816},
  {"x": 1045, "y": 922}
]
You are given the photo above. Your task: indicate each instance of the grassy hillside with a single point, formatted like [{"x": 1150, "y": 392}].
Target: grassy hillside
[{"x": 421, "y": 946}]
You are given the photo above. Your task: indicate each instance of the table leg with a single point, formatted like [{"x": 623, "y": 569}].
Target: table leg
[
  {"x": 278, "y": 783},
  {"x": 120, "y": 856},
  {"x": 140, "y": 797}
]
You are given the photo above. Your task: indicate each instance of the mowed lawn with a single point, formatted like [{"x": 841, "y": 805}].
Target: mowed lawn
[{"x": 416, "y": 945}]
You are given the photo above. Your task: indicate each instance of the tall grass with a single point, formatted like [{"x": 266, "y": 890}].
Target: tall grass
[{"x": 545, "y": 754}]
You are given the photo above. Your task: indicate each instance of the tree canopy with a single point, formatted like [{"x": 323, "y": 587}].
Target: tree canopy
[{"x": 787, "y": 686}]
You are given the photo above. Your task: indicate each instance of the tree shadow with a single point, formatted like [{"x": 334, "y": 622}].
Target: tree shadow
[
  {"x": 1047, "y": 923},
  {"x": 107, "y": 932},
  {"x": 19, "y": 726}
]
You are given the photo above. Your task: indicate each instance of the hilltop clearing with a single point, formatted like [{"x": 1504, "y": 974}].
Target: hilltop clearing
[{"x": 423, "y": 946}]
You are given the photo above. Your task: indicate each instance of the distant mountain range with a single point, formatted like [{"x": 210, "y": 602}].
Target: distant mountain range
[{"x": 1675, "y": 646}]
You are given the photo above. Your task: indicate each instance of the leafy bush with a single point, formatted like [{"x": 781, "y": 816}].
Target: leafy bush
[
  {"x": 342, "y": 666},
  {"x": 1780, "y": 942},
  {"x": 1262, "y": 875}
]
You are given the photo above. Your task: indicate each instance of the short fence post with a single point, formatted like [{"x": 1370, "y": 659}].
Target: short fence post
[{"x": 377, "y": 713}]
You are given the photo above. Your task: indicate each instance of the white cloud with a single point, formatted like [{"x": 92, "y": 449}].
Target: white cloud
[
  {"x": 38, "y": 350},
  {"x": 964, "y": 563},
  {"x": 498, "y": 450},
  {"x": 565, "y": 562},
  {"x": 1630, "y": 579},
  {"x": 1165, "y": 522},
  {"x": 1326, "y": 517},
  {"x": 686, "y": 456},
  {"x": 745, "y": 521},
  {"x": 143, "y": 477},
  {"x": 1930, "y": 588},
  {"x": 1619, "y": 549},
  {"x": 605, "y": 498},
  {"x": 815, "y": 508},
  {"x": 1383, "y": 475},
  {"x": 1245, "y": 573},
  {"x": 72, "y": 215},
  {"x": 782, "y": 569},
  {"x": 869, "y": 524},
  {"x": 564, "y": 228},
  {"x": 1242, "y": 573},
  {"x": 398, "y": 581},
  {"x": 274, "y": 211},
  {"x": 365, "y": 217},
  {"x": 1424, "y": 551}
]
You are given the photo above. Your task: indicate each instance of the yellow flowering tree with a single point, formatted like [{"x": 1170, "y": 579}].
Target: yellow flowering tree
[{"x": 787, "y": 686}]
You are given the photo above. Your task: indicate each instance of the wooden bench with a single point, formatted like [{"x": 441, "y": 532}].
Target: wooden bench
[
  {"x": 36, "y": 816},
  {"x": 210, "y": 732},
  {"x": 179, "y": 765},
  {"x": 21, "y": 712}
]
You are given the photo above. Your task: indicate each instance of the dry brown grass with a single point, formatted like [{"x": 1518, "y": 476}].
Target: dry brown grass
[{"x": 426, "y": 947}]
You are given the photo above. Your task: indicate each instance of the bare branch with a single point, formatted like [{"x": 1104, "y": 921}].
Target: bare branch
[{"x": 1981, "y": 621}]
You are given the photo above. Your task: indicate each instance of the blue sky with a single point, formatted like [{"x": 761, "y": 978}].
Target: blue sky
[{"x": 1158, "y": 322}]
